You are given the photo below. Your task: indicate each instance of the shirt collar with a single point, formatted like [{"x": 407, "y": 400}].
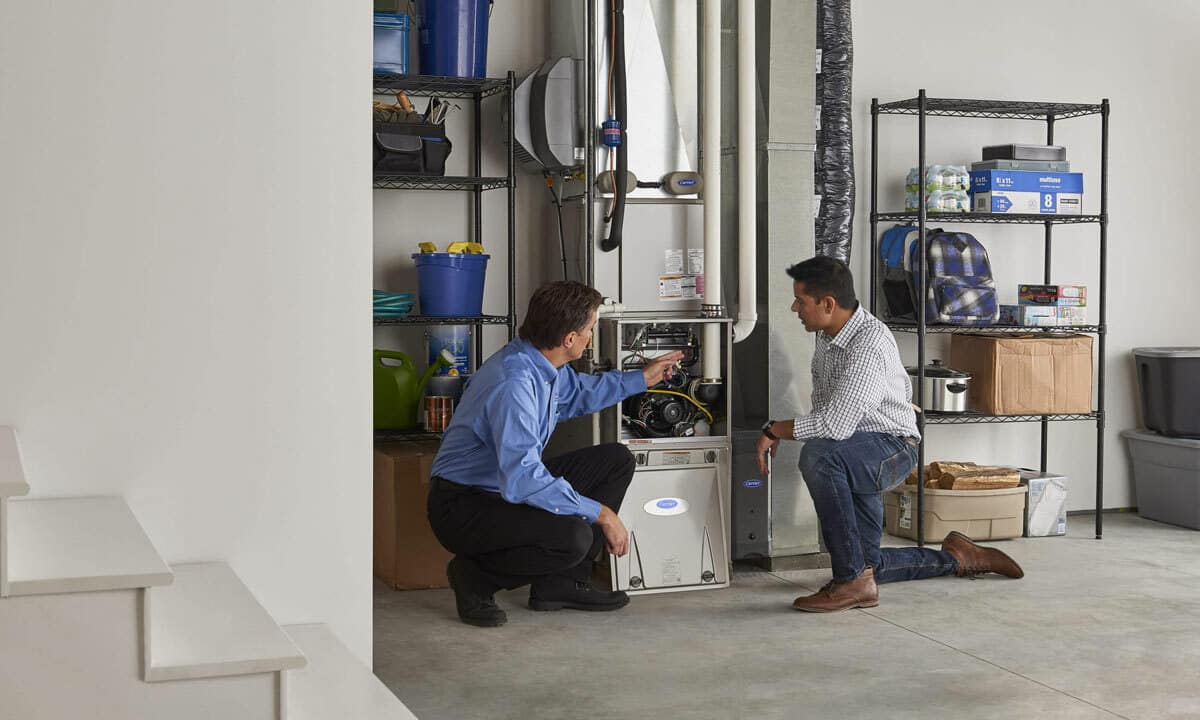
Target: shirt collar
[
  {"x": 544, "y": 369},
  {"x": 850, "y": 328}
]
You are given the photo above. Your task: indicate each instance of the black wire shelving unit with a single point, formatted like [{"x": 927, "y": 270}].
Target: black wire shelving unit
[
  {"x": 923, "y": 107},
  {"x": 475, "y": 90}
]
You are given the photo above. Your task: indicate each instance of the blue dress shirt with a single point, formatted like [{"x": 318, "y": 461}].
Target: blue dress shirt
[{"x": 508, "y": 410}]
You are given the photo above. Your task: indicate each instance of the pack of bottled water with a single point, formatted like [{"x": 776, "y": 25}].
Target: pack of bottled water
[{"x": 944, "y": 189}]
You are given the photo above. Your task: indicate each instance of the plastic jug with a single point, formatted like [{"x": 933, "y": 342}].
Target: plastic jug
[{"x": 398, "y": 389}]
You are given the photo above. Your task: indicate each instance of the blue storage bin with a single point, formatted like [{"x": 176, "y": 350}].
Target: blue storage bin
[
  {"x": 391, "y": 43},
  {"x": 450, "y": 284}
]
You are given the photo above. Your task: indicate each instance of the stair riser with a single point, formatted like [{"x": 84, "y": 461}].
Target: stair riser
[{"x": 91, "y": 643}]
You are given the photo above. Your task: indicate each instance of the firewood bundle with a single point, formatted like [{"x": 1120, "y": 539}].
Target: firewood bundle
[{"x": 944, "y": 475}]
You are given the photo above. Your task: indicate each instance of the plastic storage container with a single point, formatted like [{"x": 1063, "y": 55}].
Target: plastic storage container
[
  {"x": 450, "y": 284},
  {"x": 391, "y": 43},
  {"x": 1169, "y": 380},
  {"x": 1166, "y": 476},
  {"x": 456, "y": 339},
  {"x": 453, "y": 37},
  {"x": 978, "y": 514}
]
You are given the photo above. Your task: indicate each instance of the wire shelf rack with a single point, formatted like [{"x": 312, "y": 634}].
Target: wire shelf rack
[
  {"x": 1014, "y": 329},
  {"x": 972, "y": 418},
  {"x": 432, "y": 182},
  {"x": 936, "y": 218},
  {"x": 422, "y": 320},
  {"x": 445, "y": 87},
  {"x": 1003, "y": 109}
]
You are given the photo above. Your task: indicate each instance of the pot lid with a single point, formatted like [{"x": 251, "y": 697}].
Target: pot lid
[{"x": 935, "y": 369}]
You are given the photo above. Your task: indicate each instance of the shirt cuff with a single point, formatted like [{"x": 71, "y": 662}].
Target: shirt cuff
[
  {"x": 633, "y": 382},
  {"x": 589, "y": 509},
  {"x": 804, "y": 427}
]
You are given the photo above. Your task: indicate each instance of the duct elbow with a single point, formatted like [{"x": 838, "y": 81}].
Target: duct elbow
[{"x": 744, "y": 326}]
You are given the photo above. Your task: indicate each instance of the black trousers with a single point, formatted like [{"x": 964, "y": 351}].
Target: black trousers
[{"x": 515, "y": 545}]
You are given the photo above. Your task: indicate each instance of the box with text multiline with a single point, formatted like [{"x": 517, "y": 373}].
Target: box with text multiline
[{"x": 1022, "y": 191}]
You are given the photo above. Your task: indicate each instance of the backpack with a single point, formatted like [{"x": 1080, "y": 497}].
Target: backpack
[
  {"x": 961, "y": 290},
  {"x": 895, "y": 279}
]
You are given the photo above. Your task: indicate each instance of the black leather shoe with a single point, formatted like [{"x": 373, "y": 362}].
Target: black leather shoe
[
  {"x": 476, "y": 605},
  {"x": 557, "y": 593}
]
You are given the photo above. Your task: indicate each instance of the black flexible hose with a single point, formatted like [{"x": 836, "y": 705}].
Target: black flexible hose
[{"x": 613, "y": 241}]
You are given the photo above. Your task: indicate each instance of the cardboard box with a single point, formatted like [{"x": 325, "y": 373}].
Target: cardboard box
[
  {"x": 1046, "y": 506},
  {"x": 1023, "y": 191},
  {"x": 978, "y": 514},
  {"x": 1052, "y": 295},
  {"x": 407, "y": 555},
  {"x": 1042, "y": 315},
  {"x": 1025, "y": 374}
]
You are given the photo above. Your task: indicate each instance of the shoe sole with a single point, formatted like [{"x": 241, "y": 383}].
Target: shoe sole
[
  {"x": 832, "y": 610},
  {"x": 551, "y": 605}
]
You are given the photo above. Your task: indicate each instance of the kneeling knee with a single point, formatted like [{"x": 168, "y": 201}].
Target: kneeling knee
[{"x": 579, "y": 542}]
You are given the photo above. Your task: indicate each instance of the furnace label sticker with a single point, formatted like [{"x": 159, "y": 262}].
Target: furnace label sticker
[
  {"x": 672, "y": 571},
  {"x": 672, "y": 262},
  {"x": 677, "y": 457},
  {"x": 680, "y": 287}
]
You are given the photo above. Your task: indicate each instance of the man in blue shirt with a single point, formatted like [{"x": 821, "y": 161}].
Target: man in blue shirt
[{"x": 511, "y": 519}]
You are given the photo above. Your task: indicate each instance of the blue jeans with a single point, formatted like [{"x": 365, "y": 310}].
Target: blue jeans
[{"x": 847, "y": 479}]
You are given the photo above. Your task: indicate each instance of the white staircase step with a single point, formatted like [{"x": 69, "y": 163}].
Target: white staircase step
[
  {"x": 208, "y": 624},
  {"x": 78, "y": 545},
  {"x": 12, "y": 474},
  {"x": 335, "y": 684}
]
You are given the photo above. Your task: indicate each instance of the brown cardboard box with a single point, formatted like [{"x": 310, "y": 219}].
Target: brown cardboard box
[
  {"x": 407, "y": 555},
  {"x": 1025, "y": 374}
]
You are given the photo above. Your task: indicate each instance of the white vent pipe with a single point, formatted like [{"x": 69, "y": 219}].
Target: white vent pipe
[
  {"x": 712, "y": 185},
  {"x": 747, "y": 152}
]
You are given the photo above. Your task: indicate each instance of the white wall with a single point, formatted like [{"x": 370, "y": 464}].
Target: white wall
[
  {"x": 184, "y": 273},
  {"x": 517, "y": 42},
  {"x": 1144, "y": 59}
]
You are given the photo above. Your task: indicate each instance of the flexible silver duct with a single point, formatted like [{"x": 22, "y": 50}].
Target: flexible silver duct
[{"x": 835, "y": 142}]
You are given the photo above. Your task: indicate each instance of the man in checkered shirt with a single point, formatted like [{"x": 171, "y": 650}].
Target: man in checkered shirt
[{"x": 860, "y": 440}]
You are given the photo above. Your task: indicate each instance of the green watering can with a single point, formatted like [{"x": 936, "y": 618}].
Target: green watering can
[{"x": 398, "y": 389}]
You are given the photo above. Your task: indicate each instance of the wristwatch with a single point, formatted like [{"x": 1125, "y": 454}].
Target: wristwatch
[{"x": 766, "y": 430}]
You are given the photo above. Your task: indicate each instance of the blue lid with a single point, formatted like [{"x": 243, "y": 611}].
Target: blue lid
[{"x": 391, "y": 20}]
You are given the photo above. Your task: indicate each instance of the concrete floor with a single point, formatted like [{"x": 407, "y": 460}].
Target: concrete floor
[{"x": 1095, "y": 630}]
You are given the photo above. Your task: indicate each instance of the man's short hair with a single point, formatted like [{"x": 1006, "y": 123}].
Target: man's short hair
[
  {"x": 825, "y": 276},
  {"x": 557, "y": 309}
]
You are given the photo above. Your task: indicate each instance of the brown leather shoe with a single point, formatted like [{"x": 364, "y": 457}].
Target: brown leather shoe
[
  {"x": 976, "y": 560},
  {"x": 857, "y": 593}
]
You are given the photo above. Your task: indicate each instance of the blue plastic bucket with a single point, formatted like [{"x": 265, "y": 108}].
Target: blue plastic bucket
[
  {"x": 453, "y": 38},
  {"x": 391, "y": 43},
  {"x": 450, "y": 284}
]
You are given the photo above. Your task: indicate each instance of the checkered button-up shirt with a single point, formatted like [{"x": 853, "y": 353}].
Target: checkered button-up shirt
[{"x": 859, "y": 384}]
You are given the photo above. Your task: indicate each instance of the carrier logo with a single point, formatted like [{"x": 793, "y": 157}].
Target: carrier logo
[
  {"x": 687, "y": 182},
  {"x": 752, "y": 483},
  {"x": 666, "y": 506}
]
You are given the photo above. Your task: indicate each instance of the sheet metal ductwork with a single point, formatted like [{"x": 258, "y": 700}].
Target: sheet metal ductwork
[{"x": 835, "y": 142}]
